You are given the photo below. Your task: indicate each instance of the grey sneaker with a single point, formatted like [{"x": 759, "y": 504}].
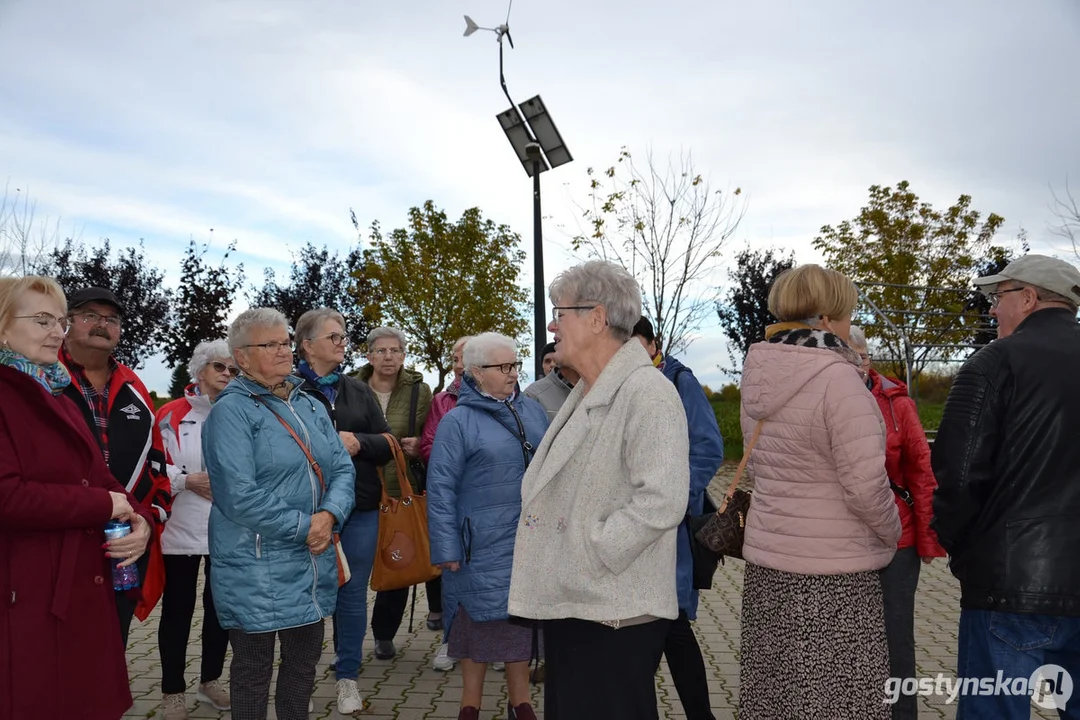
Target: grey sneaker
[
  {"x": 216, "y": 694},
  {"x": 174, "y": 707},
  {"x": 385, "y": 650}
]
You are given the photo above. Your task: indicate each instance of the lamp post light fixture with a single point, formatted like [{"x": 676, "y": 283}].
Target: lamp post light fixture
[{"x": 539, "y": 148}]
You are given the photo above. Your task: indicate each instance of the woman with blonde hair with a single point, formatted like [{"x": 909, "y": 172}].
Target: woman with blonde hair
[{"x": 822, "y": 521}]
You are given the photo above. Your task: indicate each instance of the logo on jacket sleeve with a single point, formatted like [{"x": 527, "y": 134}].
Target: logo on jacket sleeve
[{"x": 132, "y": 411}]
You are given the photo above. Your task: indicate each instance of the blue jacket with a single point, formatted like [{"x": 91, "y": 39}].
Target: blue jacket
[
  {"x": 264, "y": 576},
  {"x": 474, "y": 497},
  {"x": 706, "y": 455}
]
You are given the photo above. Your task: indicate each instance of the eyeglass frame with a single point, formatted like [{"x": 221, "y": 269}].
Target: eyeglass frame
[
  {"x": 342, "y": 340},
  {"x": 51, "y": 321},
  {"x": 509, "y": 366},
  {"x": 213, "y": 365},
  {"x": 386, "y": 351},
  {"x": 555, "y": 317},
  {"x": 993, "y": 295},
  {"x": 116, "y": 321},
  {"x": 273, "y": 346}
]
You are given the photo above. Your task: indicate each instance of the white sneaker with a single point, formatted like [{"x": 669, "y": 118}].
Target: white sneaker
[
  {"x": 499, "y": 666},
  {"x": 443, "y": 662},
  {"x": 348, "y": 697}
]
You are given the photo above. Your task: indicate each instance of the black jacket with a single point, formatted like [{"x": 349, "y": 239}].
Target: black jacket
[
  {"x": 356, "y": 410},
  {"x": 1007, "y": 461}
]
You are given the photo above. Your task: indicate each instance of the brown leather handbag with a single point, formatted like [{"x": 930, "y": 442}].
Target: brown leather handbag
[
  {"x": 725, "y": 530},
  {"x": 403, "y": 553}
]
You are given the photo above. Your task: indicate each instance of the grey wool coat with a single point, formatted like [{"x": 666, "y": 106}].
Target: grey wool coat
[{"x": 602, "y": 500}]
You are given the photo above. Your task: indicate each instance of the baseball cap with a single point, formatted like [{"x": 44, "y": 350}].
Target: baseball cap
[
  {"x": 94, "y": 294},
  {"x": 1042, "y": 271},
  {"x": 548, "y": 349}
]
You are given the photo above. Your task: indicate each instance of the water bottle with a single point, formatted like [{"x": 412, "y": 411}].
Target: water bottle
[{"x": 124, "y": 578}]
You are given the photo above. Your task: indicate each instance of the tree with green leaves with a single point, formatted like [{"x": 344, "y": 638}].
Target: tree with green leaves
[
  {"x": 438, "y": 280},
  {"x": 667, "y": 227},
  {"x": 321, "y": 278},
  {"x": 132, "y": 277},
  {"x": 201, "y": 307},
  {"x": 744, "y": 312},
  {"x": 913, "y": 264}
]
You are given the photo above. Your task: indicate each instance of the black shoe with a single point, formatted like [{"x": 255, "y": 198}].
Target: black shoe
[
  {"x": 385, "y": 650},
  {"x": 434, "y": 622}
]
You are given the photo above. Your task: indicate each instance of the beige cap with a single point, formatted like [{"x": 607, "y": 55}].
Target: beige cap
[{"x": 1042, "y": 271}]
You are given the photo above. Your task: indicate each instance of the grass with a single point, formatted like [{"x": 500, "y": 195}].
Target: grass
[{"x": 727, "y": 415}]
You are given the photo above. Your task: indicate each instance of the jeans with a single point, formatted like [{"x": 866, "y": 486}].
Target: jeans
[
  {"x": 359, "y": 538},
  {"x": 1016, "y": 644},
  {"x": 899, "y": 580}
]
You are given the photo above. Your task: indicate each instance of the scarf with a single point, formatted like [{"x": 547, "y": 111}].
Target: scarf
[
  {"x": 327, "y": 384},
  {"x": 658, "y": 361},
  {"x": 793, "y": 333},
  {"x": 53, "y": 377},
  {"x": 455, "y": 387}
]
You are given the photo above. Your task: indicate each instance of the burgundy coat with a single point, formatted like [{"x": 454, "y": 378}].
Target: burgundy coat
[{"x": 60, "y": 649}]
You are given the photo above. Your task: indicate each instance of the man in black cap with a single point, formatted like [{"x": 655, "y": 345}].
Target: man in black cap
[
  {"x": 120, "y": 414},
  {"x": 548, "y": 357},
  {"x": 1007, "y": 506}
]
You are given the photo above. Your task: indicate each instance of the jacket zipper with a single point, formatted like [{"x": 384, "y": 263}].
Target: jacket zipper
[
  {"x": 526, "y": 446},
  {"x": 892, "y": 411},
  {"x": 258, "y": 546},
  {"x": 466, "y": 539},
  {"x": 315, "y": 506}
]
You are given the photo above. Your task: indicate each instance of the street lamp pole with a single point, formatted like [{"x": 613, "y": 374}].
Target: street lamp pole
[{"x": 539, "y": 148}]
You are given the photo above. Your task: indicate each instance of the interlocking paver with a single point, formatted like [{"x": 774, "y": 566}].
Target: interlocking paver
[{"x": 407, "y": 688}]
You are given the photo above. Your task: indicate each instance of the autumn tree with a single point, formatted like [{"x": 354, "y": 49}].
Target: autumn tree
[
  {"x": 915, "y": 265},
  {"x": 438, "y": 280},
  {"x": 321, "y": 278},
  {"x": 744, "y": 311},
  {"x": 667, "y": 227},
  {"x": 201, "y": 307},
  {"x": 135, "y": 280}
]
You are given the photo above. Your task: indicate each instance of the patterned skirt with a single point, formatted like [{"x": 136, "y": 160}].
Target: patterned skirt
[{"x": 813, "y": 647}]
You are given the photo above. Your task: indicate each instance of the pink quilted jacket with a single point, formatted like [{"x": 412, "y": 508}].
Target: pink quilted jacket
[{"x": 822, "y": 504}]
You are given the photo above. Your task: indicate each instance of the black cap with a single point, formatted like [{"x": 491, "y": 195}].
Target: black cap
[
  {"x": 548, "y": 349},
  {"x": 94, "y": 294}
]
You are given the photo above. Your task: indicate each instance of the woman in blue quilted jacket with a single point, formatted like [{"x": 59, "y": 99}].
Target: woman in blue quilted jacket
[{"x": 480, "y": 454}]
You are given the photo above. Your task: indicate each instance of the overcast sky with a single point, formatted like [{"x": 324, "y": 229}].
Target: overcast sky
[{"x": 266, "y": 120}]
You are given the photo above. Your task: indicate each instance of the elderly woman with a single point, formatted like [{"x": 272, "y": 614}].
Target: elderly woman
[
  {"x": 822, "y": 521},
  {"x": 482, "y": 449},
  {"x": 56, "y": 495},
  {"x": 355, "y": 413},
  {"x": 184, "y": 543},
  {"x": 907, "y": 462},
  {"x": 601, "y": 505},
  {"x": 275, "y": 571}
]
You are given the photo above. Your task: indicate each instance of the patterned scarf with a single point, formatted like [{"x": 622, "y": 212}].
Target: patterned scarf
[
  {"x": 53, "y": 378},
  {"x": 455, "y": 387},
  {"x": 327, "y": 384},
  {"x": 799, "y": 334}
]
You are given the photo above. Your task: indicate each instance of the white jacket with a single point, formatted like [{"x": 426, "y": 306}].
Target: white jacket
[
  {"x": 602, "y": 500},
  {"x": 181, "y": 423}
]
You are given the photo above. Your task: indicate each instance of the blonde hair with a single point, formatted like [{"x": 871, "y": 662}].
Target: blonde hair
[
  {"x": 13, "y": 288},
  {"x": 810, "y": 292}
]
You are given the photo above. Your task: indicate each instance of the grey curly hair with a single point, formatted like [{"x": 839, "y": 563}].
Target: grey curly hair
[
  {"x": 204, "y": 354},
  {"x": 604, "y": 283}
]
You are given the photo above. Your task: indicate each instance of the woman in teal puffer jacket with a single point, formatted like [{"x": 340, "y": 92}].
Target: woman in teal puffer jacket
[
  {"x": 479, "y": 455},
  {"x": 274, "y": 569}
]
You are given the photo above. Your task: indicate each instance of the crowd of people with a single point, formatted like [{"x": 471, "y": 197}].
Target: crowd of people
[{"x": 558, "y": 513}]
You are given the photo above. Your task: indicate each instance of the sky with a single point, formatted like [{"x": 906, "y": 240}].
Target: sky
[{"x": 265, "y": 121}]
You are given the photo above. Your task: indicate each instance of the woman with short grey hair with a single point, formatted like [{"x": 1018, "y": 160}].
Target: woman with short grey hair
[
  {"x": 282, "y": 482},
  {"x": 383, "y": 332},
  {"x": 594, "y": 558},
  {"x": 184, "y": 543},
  {"x": 481, "y": 452},
  {"x": 308, "y": 328}
]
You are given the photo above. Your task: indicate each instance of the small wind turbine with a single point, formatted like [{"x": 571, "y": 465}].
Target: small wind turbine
[{"x": 499, "y": 30}]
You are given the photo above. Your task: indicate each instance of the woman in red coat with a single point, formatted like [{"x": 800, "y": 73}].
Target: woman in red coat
[
  {"x": 907, "y": 462},
  {"x": 60, "y": 649}
]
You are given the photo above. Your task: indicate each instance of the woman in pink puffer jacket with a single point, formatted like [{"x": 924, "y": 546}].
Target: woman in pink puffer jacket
[{"x": 822, "y": 521}]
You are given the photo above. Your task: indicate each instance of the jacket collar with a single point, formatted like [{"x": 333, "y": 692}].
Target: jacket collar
[
  {"x": 196, "y": 399},
  {"x": 1047, "y": 317},
  {"x": 630, "y": 357}
]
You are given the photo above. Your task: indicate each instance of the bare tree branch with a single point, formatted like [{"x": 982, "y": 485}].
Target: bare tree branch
[
  {"x": 24, "y": 242},
  {"x": 1067, "y": 211}
]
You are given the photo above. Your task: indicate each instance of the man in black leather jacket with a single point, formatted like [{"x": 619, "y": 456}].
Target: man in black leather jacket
[{"x": 1007, "y": 507}]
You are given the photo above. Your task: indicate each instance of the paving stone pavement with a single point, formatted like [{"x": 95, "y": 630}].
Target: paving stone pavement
[{"x": 407, "y": 688}]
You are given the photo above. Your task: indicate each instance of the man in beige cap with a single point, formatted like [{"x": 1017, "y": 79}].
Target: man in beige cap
[{"x": 1007, "y": 507}]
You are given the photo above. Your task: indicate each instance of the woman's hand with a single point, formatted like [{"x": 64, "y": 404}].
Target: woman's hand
[
  {"x": 352, "y": 445},
  {"x": 121, "y": 508},
  {"x": 411, "y": 446},
  {"x": 199, "y": 483},
  {"x": 322, "y": 525},
  {"x": 132, "y": 546},
  {"x": 451, "y": 566}
]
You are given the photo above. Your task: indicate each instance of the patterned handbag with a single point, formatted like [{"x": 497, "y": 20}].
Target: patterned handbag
[{"x": 724, "y": 532}]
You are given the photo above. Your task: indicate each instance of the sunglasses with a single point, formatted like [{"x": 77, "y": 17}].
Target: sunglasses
[{"x": 220, "y": 367}]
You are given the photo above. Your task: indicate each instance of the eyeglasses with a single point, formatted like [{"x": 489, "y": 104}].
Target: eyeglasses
[
  {"x": 273, "y": 347},
  {"x": 47, "y": 321},
  {"x": 555, "y": 316},
  {"x": 335, "y": 338},
  {"x": 505, "y": 368},
  {"x": 381, "y": 352},
  {"x": 994, "y": 296},
  {"x": 220, "y": 367},
  {"x": 93, "y": 318},
  {"x": 866, "y": 357}
]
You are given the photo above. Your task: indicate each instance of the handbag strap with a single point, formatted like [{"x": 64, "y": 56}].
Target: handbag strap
[
  {"x": 742, "y": 467},
  {"x": 307, "y": 453},
  {"x": 414, "y": 399},
  {"x": 399, "y": 464}
]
